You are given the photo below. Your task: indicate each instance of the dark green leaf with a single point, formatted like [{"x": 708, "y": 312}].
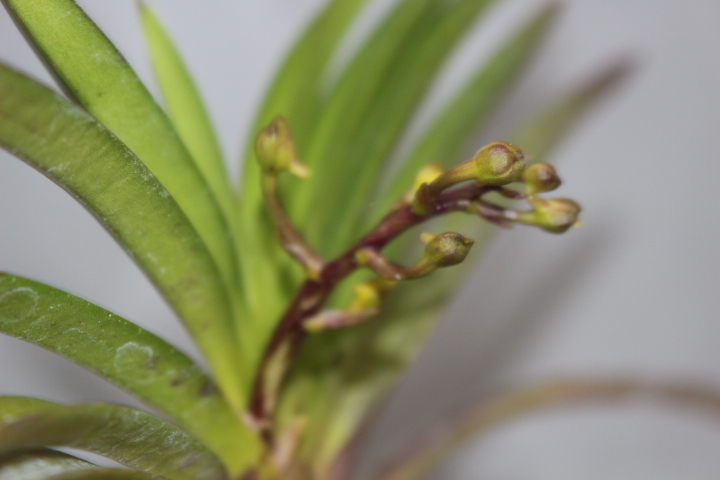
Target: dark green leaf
[
  {"x": 128, "y": 436},
  {"x": 126, "y": 355},
  {"x": 76, "y": 152},
  {"x": 96, "y": 75},
  {"x": 39, "y": 465}
]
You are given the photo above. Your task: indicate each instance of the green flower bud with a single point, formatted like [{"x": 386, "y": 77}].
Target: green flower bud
[
  {"x": 540, "y": 178},
  {"x": 554, "y": 215},
  {"x": 446, "y": 249},
  {"x": 276, "y": 150},
  {"x": 499, "y": 163}
]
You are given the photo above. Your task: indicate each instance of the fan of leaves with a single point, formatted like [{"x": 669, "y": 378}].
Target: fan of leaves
[{"x": 155, "y": 178}]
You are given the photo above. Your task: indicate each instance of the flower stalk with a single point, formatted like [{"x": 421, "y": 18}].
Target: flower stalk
[{"x": 435, "y": 193}]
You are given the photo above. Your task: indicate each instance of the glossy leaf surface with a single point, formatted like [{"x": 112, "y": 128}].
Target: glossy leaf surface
[
  {"x": 94, "y": 73},
  {"x": 39, "y": 465},
  {"x": 128, "y": 436},
  {"x": 125, "y": 354},
  {"x": 76, "y": 152}
]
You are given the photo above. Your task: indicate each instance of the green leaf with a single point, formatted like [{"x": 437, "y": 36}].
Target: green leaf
[
  {"x": 389, "y": 343},
  {"x": 297, "y": 94},
  {"x": 334, "y": 136},
  {"x": 39, "y": 465},
  {"x": 186, "y": 109},
  {"x": 447, "y": 136},
  {"x": 76, "y": 152},
  {"x": 130, "y": 437},
  {"x": 425, "y": 451},
  {"x": 106, "y": 474},
  {"x": 369, "y": 150},
  {"x": 94, "y": 73},
  {"x": 125, "y": 354},
  {"x": 545, "y": 131}
]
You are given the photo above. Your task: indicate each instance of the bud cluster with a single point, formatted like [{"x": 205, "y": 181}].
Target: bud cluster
[{"x": 435, "y": 192}]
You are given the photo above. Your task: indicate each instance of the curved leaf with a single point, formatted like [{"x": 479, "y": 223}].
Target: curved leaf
[
  {"x": 334, "y": 136},
  {"x": 445, "y": 139},
  {"x": 39, "y": 465},
  {"x": 389, "y": 343},
  {"x": 133, "y": 438},
  {"x": 297, "y": 94},
  {"x": 76, "y": 152},
  {"x": 186, "y": 109},
  {"x": 106, "y": 474},
  {"x": 437, "y": 443},
  {"x": 125, "y": 354},
  {"x": 398, "y": 96},
  {"x": 96, "y": 75}
]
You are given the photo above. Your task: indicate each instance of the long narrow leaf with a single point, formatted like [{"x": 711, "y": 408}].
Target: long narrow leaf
[
  {"x": 398, "y": 97},
  {"x": 39, "y": 465},
  {"x": 125, "y": 354},
  {"x": 391, "y": 341},
  {"x": 133, "y": 438},
  {"x": 106, "y": 474},
  {"x": 333, "y": 137},
  {"x": 426, "y": 451},
  {"x": 186, "y": 109},
  {"x": 296, "y": 93},
  {"x": 95, "y": 74},
  {"x": 76, "y": 152},
  {"x": 447, "y": 136}
]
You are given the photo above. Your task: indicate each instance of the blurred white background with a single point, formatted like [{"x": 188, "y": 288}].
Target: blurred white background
[{"x": 634, "y": 292}]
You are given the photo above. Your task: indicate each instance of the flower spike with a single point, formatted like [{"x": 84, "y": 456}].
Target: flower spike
[{"x": 495, "y": 164}]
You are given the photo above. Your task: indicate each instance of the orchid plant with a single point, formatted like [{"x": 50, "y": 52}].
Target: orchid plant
[{"x": 303, "y": 289}]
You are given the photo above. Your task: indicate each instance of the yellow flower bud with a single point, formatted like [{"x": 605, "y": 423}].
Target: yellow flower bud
[
  {"x": 446, "y": 249},
  {"x": 540, "y": 178},
  {"x": 499, "y": 163},
  {"x": 555, "y": 215},
  {"x": 276, "y": 150}
]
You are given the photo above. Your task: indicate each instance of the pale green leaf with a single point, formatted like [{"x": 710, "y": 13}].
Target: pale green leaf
[
  {"x": 297, "y": 94},
  {"x": 39, "y": 465},
  {"x": 96, "y": 75},
  {"x": 130, "y": 437},
  {"x": 125, "y": 354},
  {"x": 335, "y": 134},
  {"x": 370, "y": 150},
  {"x": 470, "y": 109},
  {"x": 186, "y": 109},
  {"x": 76, "y": 152}
]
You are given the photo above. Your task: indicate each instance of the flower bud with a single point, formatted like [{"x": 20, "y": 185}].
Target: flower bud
[
  {"x": 554, "y": 215},
  {"x": 499, "y": 163},
  {"x": 446, "y": 249},
  {"x": 276, "y": 151},
  {"x": 540, "y": 178}
]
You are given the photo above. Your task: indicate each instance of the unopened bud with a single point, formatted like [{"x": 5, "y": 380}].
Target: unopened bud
[
  {"x": 276, "y": 150},
  {"x": 554, "y": 215},
  {"x": 428, "y": 174},
  {"x": 446, "y": 249},
  {"x": 540, "y": 178},
  {"x": 499, "y": 163}
]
